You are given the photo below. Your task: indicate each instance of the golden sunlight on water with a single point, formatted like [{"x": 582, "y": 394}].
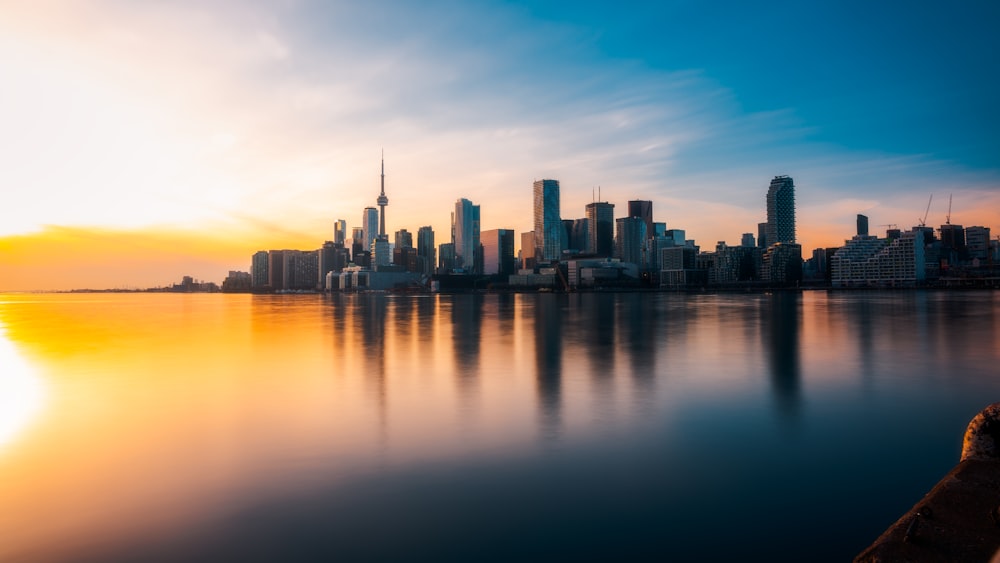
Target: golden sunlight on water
[
  {"x": 22, "y": 394},
  {"x": 130, "y": 420}
]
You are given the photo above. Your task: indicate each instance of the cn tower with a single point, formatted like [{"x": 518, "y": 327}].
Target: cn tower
[{"x": 382, "y": 202}]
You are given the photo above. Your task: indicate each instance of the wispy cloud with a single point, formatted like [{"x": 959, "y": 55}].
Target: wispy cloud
[{"x": 132, "y": 115}]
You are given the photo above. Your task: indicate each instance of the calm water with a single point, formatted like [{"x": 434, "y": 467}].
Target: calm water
[{"x": 480, "y": 427}]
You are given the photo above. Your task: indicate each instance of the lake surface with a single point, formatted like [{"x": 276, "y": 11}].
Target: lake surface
[{"x": 166, "y": 427}]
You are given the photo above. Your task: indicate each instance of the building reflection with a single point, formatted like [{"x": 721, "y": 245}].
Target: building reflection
[
  {"x": 466, "y": 326},
  {"x": 780, "y": 322},
  {"x": 370, "y": 320},
  {"x": 548, "y": 319},
  {"x": 597, "y": 325},
  {"x": 639, "y": 334}
]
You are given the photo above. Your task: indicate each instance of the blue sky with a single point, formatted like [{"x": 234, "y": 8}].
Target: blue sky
[{"x": 267, "y": 119}]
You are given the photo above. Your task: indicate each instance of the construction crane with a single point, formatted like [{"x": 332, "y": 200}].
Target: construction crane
[
  {"x": 893, "y": 225},
  {"x": 947, "y": 218},
  {"x": 923, "y": 222}
]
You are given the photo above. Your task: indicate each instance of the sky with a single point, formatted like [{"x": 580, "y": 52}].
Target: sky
[{"x": 144, "y": 141}]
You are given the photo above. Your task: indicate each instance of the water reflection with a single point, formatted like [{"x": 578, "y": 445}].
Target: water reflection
[
  {"x": 409, "y": 427},
  {"x": 466, "y": 322},
  {"x": 22, "y": 392},
  {"x": 780, "y": 321},
  {"x": 548, "y": 320},
  {"x": 370, "y": 314}
]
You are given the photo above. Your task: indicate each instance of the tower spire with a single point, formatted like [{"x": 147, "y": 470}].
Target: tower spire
[{"x": 382, "y": 201}]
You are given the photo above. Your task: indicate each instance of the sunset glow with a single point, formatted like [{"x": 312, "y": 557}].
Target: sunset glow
[{"x": 218, "y": 129}]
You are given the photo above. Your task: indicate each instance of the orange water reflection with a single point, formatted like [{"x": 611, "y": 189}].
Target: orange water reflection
[{"x": 162, "y": 412}]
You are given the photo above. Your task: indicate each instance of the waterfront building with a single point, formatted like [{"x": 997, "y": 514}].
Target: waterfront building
[
  {"x": 679, "y": 268},
  {"x": 276, "y": 269},
  {"x": 426, "y": 253},
  {"x": 782, "y": 264},
  {"x": 547, "y": 221},
  {"x": 781, "y": 211},
  {"x": 630, "y": 240},
  {"x": 237, "y": 282},
  {"x": 446, "y": 257},
  {"x": 258, "y": 269},
  {"x": 762, "y": 235},
  {"x": 333, "y": 257},
  {"x": 643, "y": 209},
  {"x": 601, "y": 224},
  {"x": 498, "y": 252},
  {"x": 465, "y": 226},
  {"x": 866, "y": 261},
  {"x": 300, "y": 270},
  {"x": 327, "y": 254},
  {"x": 735, "y": 264},
  {"x": 977, "y": 242},
  {"x": 594, "y": 272}
]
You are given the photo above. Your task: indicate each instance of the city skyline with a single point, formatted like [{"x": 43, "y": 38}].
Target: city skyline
[{"x": 145, "y": 142}]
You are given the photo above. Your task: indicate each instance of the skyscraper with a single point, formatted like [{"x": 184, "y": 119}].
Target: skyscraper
[
  {"x": 601, "y": 216},
  {"x": 498, "y": 252},
  {"x": 781, "y": 211},
  {"x": 631, "y": 239},
  {"x": 466, "y": 229},
  {"x": 425, "y": 250},
  {"x": 548, "y": 223},
  {"x": 862, "y": 225},
  {"x": 339, "y": 231},
  {"x": 404, "y": 239},
  {"x": 643, "y": 209},
  {"x": 369, "y": 222}
]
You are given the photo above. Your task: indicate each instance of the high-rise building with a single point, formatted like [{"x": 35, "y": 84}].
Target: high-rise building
[
  {"x": 276, "y": 269},
  {"x": 781, "y": 211},
  {"x": 601, "y": 216},
  {"x": 498, "y": 252},
  {"x": 357, "y": 241},
  {"x": 300, "y": 269},
  {"x": 381, "y": 253},
  {"x": 579, "y": 236},
  {"x": 258, "y": 269},
  {"x": 862, "y": 225},
  {"x": 548, "y": 222},
  {"x": 977, "y": 241},
  {"x": 643, "y": 209},
  {"x": 425, "y": 250},
  {"x": 369, "y": 222},
  {"x": 747, "y": 240},
  {"x": 446, "y": 257},
  {"x": 466, "y": 229},
  {"x": 339, "y": 231},
  {"x": 404, "y": 239},
  {"x": 762, "y": 235},
  {"x": 528, "y": 250},
  {"x": 630, "y": 239}
]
